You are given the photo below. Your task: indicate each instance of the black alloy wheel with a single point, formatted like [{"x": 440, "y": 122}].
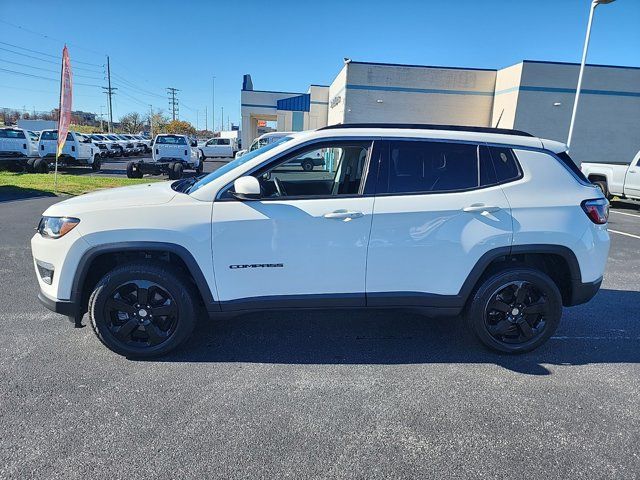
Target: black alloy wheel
[
  {"x": 516, "y": 313},
  {"x": 515, "y": 310},
  {"x": 141, "y": 313},
  {"x": 143, "y": 309}
]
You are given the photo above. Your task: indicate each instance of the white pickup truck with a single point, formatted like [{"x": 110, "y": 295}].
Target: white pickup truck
[
  {"x": 78, "y": 150},
  {"x": 614, "y": 179}
]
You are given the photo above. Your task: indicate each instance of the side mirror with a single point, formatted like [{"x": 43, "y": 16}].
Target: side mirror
[{"x": 247, "y": 188}]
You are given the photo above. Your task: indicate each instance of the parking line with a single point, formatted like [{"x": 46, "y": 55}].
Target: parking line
[
  {"x": 625, "y": 234},
  {"x": 625, "y": 213}
]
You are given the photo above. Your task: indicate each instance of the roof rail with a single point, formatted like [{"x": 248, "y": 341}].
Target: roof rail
[{"x": 420, "y": 126}]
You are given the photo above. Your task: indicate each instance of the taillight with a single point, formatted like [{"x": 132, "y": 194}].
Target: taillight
[{"x": 597, "y": 210}]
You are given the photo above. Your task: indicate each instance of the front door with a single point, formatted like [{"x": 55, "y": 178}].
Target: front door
[
  {"x": 632, "y": 179},
  {"x": 438, "y": 210},
  {"x": 304, "y": 243}
]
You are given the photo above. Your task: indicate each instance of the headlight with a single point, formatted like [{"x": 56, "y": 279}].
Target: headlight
[{"x": 56, "y": 227}]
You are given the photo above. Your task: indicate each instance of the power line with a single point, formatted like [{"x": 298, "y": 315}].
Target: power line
[
  {"x": 46, "y": 69},
  {"x": 14, "y": 72},
  {"x": 48, "y": 54},
  {"x": 46, "y": 61},
  {"x": 135, "y": 87}
]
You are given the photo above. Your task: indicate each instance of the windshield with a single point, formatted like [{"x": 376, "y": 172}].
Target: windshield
[{"x": 235, "y": 164}]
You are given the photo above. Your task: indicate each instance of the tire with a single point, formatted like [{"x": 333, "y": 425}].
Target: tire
[
  {"x": 175, "y": 171},
  {"x": 499, "y": 319},
  {"x": 95, "y": 166},
  {"x": 200, "y": 168},
  {"x": 202, "y": 156},
  {"x": 129, "y": 328},
  {"x": 40, "y": 166},
  {"x": 133, "y": 170},
  {"x": 29, "y": 165},
  {"x": 307, "y": 165},
  {"x": 604, "y": 188}
]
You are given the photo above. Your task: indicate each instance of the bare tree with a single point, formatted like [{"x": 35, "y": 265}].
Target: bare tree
[{"x": 132, "y": 122}]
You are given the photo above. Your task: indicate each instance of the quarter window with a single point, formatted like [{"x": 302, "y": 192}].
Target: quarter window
[{"x": 505, "y": 163}]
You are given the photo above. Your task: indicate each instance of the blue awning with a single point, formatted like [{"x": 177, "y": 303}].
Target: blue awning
[{"x": 300, "y": 103}]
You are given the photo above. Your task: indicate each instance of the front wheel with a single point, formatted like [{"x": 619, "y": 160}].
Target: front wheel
[
  {"x": 515, "y": 310},
  {"x": 95, "y": 166},
  {"x": 142, "y": 309}
]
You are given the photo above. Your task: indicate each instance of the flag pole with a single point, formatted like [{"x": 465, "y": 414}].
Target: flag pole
[{"x": 55, "y": 172}]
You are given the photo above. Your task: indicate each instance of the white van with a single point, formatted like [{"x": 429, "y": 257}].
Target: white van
[
  {"x": 171, "y": 155},
  {"x": 16, "y": 147},
  {"x": 78, "y": 150}
]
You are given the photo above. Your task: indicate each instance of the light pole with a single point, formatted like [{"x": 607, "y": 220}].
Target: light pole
[
  {"x": 213, "y": 103},
  {"x": 594, "y": 4}
]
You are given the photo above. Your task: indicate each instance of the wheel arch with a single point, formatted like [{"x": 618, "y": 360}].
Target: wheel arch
[
  {"x": 98, "y": 260},
  {"x": 557, "y": 261}
]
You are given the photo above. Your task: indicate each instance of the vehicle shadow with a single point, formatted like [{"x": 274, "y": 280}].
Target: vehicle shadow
[
  {"x": 9, "y": 193},
  {"x": 588, "y": 334}
]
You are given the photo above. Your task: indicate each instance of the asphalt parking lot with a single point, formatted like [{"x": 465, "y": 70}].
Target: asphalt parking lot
[{"x": 320, "y": 394}]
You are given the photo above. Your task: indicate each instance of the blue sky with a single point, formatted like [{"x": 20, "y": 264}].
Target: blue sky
[{"x": 285, "y": 45}]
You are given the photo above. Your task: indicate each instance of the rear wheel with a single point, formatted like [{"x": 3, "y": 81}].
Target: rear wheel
[
  {"x": 95, "y": 166},
  {"x": 200, "y": 168},
  {"x": 29, "y": 165},
  {"x": 133, "y": 170},
  {"x": 40, "y": 166},
  {"x": 515, "y": 310},
  {"x": 142, "y": 309},
  {"x": 175, "y": 171}
]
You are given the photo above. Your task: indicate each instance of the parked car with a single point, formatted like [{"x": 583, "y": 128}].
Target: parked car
[
  {"x": 78, "y": 150},
  {"x": 219, "y": 148},
  {"x": 172, "y": 154},
  {"x": 17, "y": 146},
  {"x": 113, "y": 149},
  {"x": 445, "y": 220},
  {"x": 146, "y": 142},
  {"x": 615, "y": 179},
  {"x": 262, "y": 140},
  {"x": 138, "y": 145},
  {"x": 129, "y": 145}
]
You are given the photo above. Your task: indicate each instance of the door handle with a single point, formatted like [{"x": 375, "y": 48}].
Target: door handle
[
  {"x": 480, "y": 207},
  {"x": 632, "y": 171},
  {"x": 343, "y": 215}
]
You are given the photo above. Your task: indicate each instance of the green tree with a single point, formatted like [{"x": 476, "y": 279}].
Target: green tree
[{"x": 180, "y": 127}]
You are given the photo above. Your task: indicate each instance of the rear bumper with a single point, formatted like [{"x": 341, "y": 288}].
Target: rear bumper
[{"x": 583, "y": 292}]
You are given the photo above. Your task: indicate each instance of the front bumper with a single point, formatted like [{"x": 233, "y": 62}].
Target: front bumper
[{"x": 63, "y": 307}]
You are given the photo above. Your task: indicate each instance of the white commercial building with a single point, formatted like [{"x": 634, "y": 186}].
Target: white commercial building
[{"x": 533, "y": 96}]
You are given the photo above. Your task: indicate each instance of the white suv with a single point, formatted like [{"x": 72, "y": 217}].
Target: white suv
[{"x": 494, "y": 223}]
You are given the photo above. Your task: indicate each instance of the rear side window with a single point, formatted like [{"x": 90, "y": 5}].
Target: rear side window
[
  {"x": 54, "y": 136},
  {"x": 171, "y": 140},
  {"x": 424, "y": 166},
  {"x": 12, "y": 134},
  {"x": 505, "y": 164}
]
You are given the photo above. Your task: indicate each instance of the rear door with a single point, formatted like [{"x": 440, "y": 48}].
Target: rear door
[{"x": 438, "y": 210}]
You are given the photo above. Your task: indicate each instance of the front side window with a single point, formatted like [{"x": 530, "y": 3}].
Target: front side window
[
  {"x": 223, "y": 141},
  {"x": 326, "y": 170}
]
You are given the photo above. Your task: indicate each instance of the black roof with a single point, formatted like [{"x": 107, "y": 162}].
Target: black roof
[{"x": 420, "y": 126}]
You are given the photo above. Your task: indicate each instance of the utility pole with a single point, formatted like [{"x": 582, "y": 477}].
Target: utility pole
[
  {"x": 221, "y": 118},
  {"x": 206, "y": 114},
  {"x": 151, "y": 121},
  {"x": 109, "y": 91},
  {"x": 173, "y": 102},
  {"x": 213, "y": 104},
  {"x": 197, "y": 118},
  {"x": 101, "y": 126}
]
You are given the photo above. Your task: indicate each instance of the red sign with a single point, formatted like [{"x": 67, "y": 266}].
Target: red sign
[{"x": 66, "y": 97}]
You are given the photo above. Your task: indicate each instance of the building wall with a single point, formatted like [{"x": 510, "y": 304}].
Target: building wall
[
  {"x": 506, "y": 96},
  {"x": 337, "y": 94},
  {"x": 318, "y": 113},
  {"x": 414, "y": 94},
  {"x": 260, "y": 105},
  {"x": 607, "y": 125}
]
